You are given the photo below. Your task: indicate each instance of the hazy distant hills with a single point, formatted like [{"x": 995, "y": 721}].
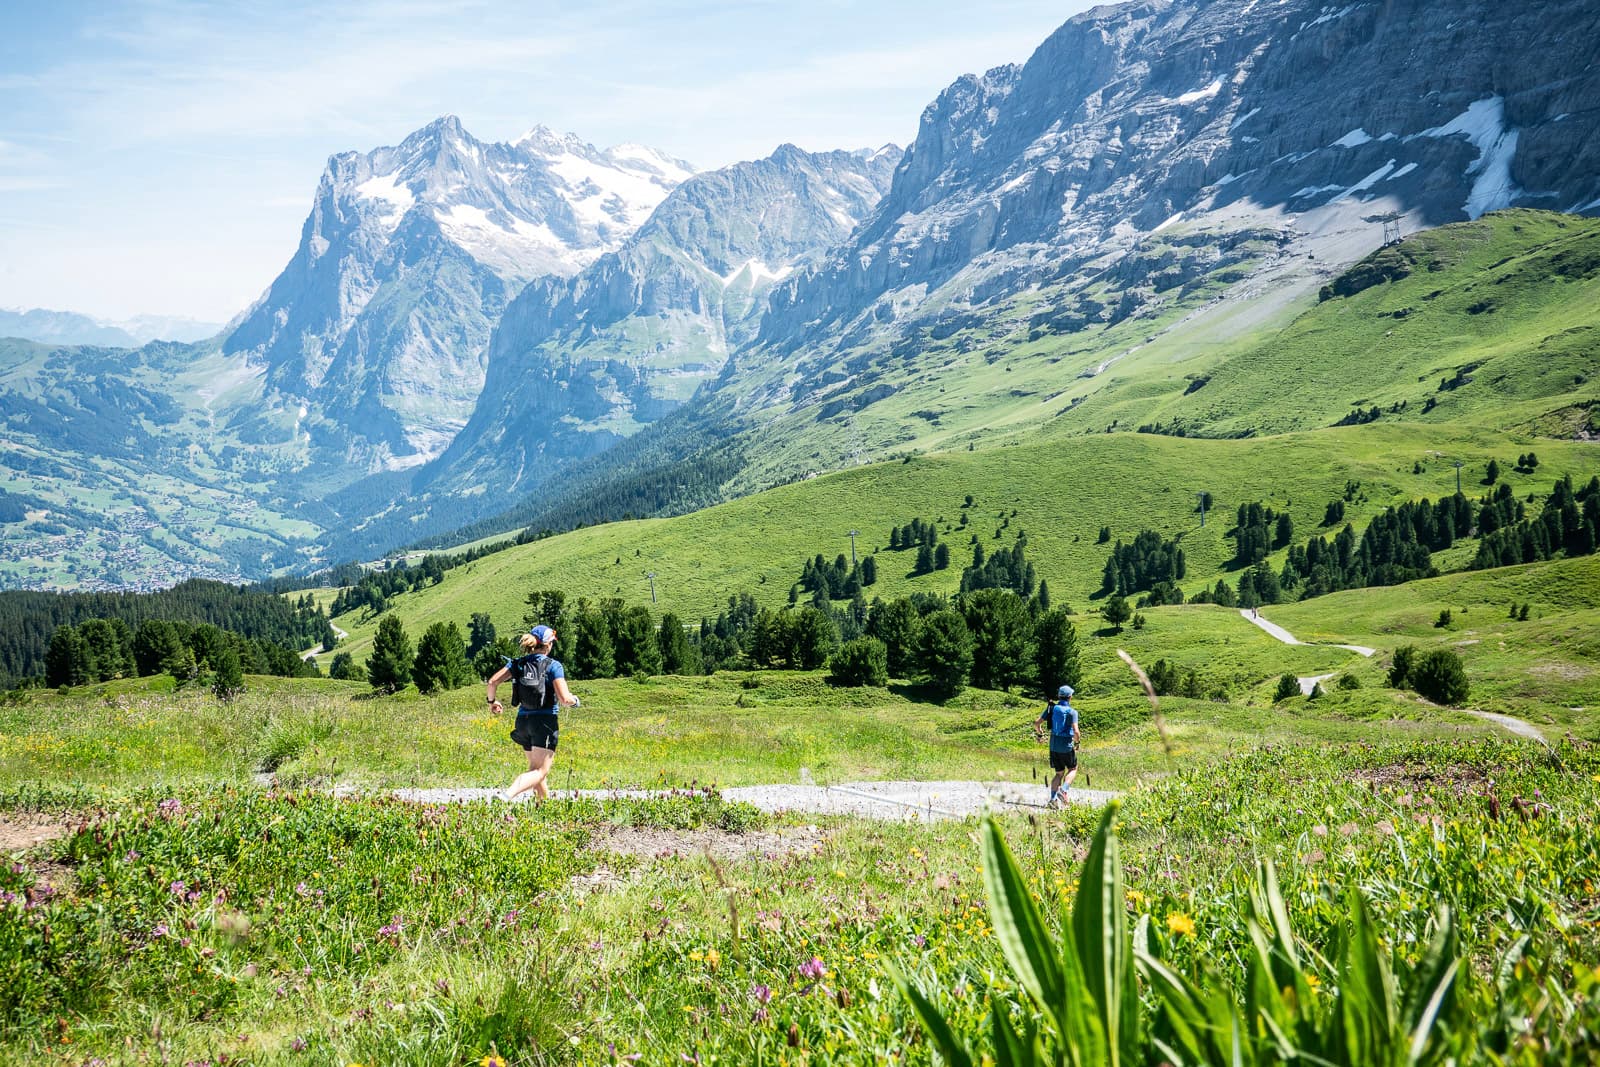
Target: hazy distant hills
[{"x": 71, "y": 328}]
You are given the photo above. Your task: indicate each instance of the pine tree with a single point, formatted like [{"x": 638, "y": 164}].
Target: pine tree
[
  {"x": 441, "y": 661},
  {"x": 1116, "y": 612},
  {"x": 863, "y": 661},
  {"x": 1440, "y": 677},
  {"x": 480, "y": 633},
  {"x": 897, "y": 624},
  {"x": 633, "y": 636},
  {"x": 1055, "y": 652},
  {"x": 944, "y": 653},
  {"x": 389, "y": 663},
  {"x": 1288, "y": 686},
  {"x": 227, "y": 677},
  {"x": 1044, "y": 595},
  {"x": 814, "y": 637},
  {"x": 869, "y": 571},
  {"x": 924, "y": 559},
  {"x": 941, "y": 557},
  {"x": 677, "y": 655},
  {"x": 343, "y": 668},
  {"x": 1001, "y": 631},
  {"x": 61, "y": 664}
]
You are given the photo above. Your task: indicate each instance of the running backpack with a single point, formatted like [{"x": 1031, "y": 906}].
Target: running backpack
[
  {"x": 528, "y": 687},
  {"x": 1060, "y": 724}
]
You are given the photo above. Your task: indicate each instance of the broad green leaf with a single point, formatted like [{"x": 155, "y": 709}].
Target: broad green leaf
[
  {"x": 1018, "y": 926},
  {"x": 1100, "y": 930}
]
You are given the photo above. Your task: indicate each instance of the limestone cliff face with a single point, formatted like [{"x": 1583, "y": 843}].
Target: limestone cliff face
[
  {"x": 578, "y": 363},
  {"x": 1136, "y": 116},
  {"x": 380, "y": 323}
]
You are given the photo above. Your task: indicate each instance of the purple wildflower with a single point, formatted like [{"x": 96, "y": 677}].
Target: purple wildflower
[
  {"x": 177, "y": 889},
  {"x": 763, "y": 994},
  {"x": 812, "y": 969},
  {"x": 169, "y": 807},
  {"x": 919, "y": 940},
  {"x": 159, "y": 931}
]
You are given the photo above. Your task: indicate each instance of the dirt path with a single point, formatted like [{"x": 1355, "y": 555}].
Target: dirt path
[
  {"x": 870, "y": 800},
  {"x": 21, "y": 831},
  {"x": 1516, "y": 726},
  {"x": 1290, "y": 639}
]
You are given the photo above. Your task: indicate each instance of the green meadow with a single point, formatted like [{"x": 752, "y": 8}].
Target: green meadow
[{"x": 1357, "y": 876}]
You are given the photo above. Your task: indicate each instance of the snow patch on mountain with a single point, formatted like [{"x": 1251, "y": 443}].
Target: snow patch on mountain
[
  {"x": 1205, "y": 93},
  {"x": 1483, "y": 123},
  {"x": 396, "y": 198}
]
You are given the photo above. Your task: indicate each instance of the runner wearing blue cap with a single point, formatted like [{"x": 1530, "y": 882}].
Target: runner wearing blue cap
[
  {"x": 1062, "y": 719},
  {"x": 541, "y": 689}
]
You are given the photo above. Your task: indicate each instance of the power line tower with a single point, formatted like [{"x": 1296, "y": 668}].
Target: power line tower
[
  {"x": 652, "y": 576},
  {"x": 1202, "y": 497},
  {"x": 853, "y": 535},
  {"x": 1391, "y": 226},
  {"x": 1458, "y": 466}
]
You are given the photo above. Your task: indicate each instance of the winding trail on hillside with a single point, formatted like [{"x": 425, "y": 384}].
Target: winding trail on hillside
[
  {"x": 1520, "y": 727},
  {"x": 920, "y": 801},
  {"x": 317, "y": 648},
  {"x": 1290, "y": 639}
]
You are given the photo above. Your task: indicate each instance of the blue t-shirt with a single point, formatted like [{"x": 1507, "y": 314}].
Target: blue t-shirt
[
  {"x": 552, "y": 671},
  {"x": 1061, "y": 717}
]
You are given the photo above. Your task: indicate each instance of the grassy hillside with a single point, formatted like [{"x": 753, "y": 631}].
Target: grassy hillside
[{"x": 1062, "y": 492}]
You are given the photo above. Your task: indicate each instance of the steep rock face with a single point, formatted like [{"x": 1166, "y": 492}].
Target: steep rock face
[
  {"x": 1132, "y": 117},
  {"x": 578, "y": 363},
  {"x": 381, "y": 320}
]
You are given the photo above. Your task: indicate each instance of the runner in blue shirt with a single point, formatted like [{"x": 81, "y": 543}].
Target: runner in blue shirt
[
  {"x": 543, "y": 689},
  {"x": 1062, "y": 720}
]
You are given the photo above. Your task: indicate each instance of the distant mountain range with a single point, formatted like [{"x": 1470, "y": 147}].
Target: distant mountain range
[
  {"x": 72, "y": 328},
  {"x": 503, "y": 333}
]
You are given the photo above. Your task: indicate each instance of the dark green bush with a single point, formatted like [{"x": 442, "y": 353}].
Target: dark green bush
[{"x": 864, "y": 661}]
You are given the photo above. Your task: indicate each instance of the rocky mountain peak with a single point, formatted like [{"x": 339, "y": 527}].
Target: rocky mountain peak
[{"x": 380, "y": 322}]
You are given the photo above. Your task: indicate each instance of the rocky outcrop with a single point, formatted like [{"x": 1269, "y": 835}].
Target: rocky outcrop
[
  {"x": 579, "y": 363},
  {"x": 1134, "y": 117}
]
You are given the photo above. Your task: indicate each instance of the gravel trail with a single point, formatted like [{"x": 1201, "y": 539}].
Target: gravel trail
[{"x": 926, "y": 801}]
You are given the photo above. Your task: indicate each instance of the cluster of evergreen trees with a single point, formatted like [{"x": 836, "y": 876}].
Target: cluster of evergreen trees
[
  {"x": 1258, "y": 531},
  {"x": 990, "y": 637},
  {"x": 29, "y": 620},
  {"x": 839, "y": 580},
  {"x": 1006, "y": 568},
  {"x": 1149, "y": 561},
  {"x": 922, "y": 535},
  {"x": 1569, "y": 523},
  {"x": 99, "y": 650}
]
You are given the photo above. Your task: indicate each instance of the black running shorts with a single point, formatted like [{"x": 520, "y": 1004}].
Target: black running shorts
[
  {"x": 536, "y": 730},
  {"x": 1064, "y": 761}
]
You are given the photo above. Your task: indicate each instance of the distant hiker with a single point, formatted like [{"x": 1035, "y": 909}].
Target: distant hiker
[
  {"x": 539, "y": 689},
  {"x": 1062, "y": 720}
]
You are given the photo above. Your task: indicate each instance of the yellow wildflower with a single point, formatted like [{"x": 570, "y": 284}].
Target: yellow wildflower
[{"x": 1180, "y": 924}]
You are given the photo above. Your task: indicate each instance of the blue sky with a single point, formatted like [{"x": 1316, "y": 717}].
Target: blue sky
[{"x": 160, "y": 156}]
